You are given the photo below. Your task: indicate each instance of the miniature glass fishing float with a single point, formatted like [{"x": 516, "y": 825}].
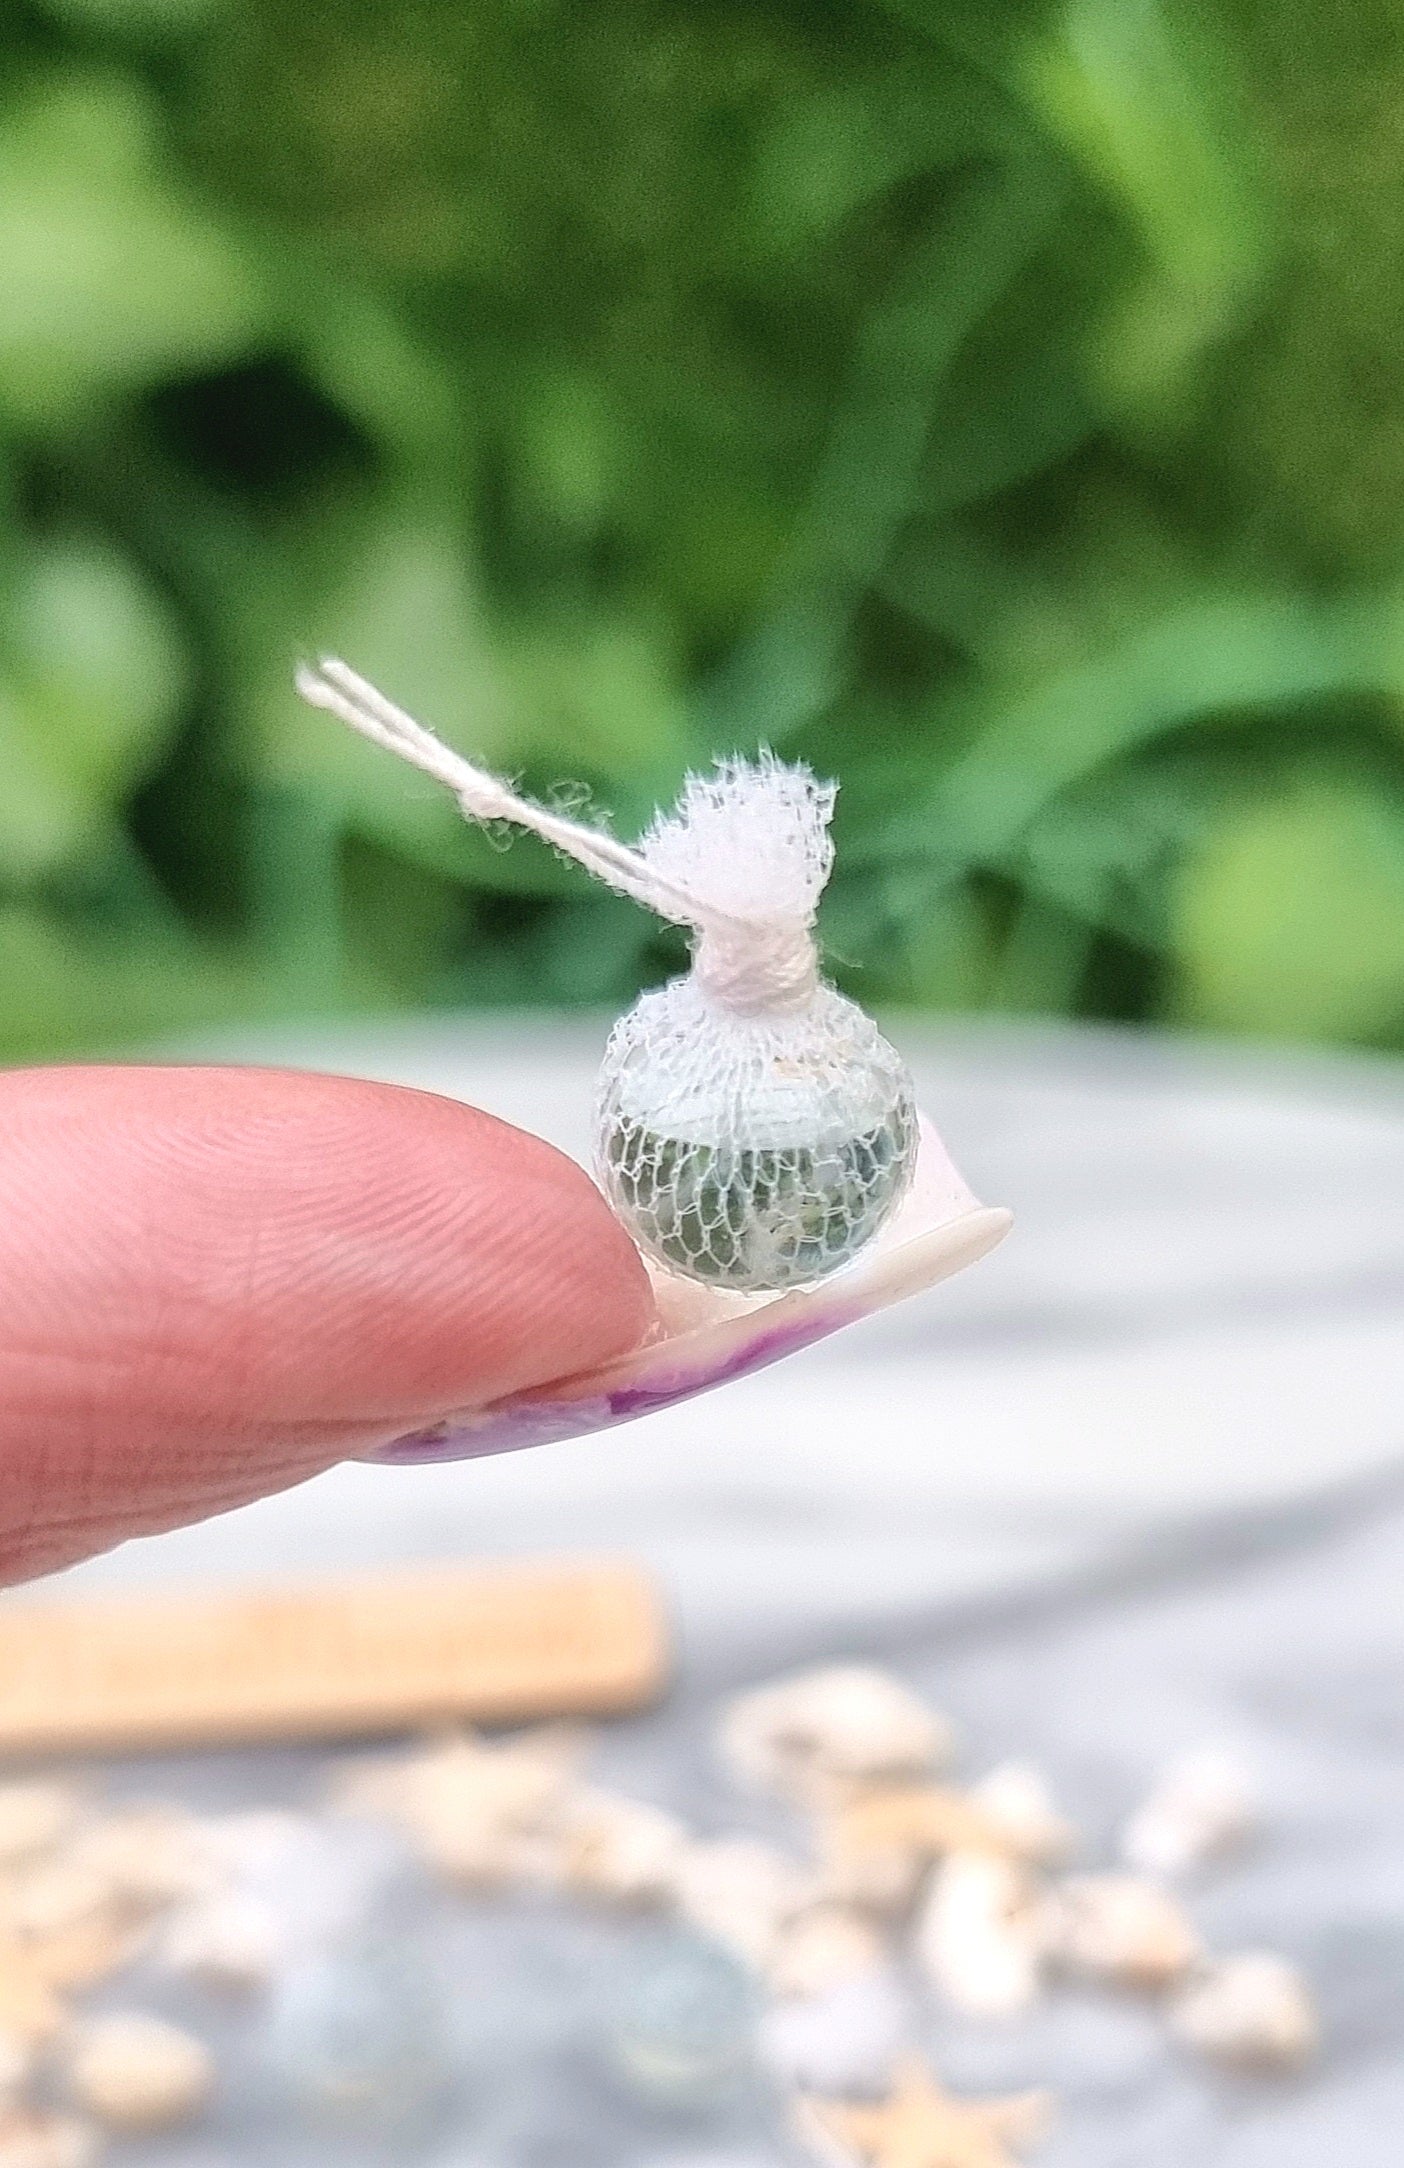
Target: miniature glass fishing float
[{"x": 753, "y": 1128}]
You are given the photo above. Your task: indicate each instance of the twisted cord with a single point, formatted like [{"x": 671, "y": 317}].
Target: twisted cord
[{"x": 747, "y": 964}]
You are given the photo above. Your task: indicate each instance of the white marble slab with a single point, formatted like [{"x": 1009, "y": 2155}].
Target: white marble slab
[
  {"x": 1201, "y": 1307},
  {"x": 1134, "y": 1483}
]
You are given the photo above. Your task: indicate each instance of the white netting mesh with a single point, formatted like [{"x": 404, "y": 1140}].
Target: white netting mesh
[
  {"x": 751, "y": 840},
  {"x": 753, "y": 1128},
  {"x": 752, "y": 1151},
  {"x": 749, "y": 846}
]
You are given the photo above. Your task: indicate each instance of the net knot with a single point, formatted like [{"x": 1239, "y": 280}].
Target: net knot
[{"x": 756, "y": 968}]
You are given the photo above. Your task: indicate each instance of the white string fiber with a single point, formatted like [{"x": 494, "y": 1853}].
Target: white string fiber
[
  {"x": 742, "y": 860},
  {"x": 753, "y": 1127}
]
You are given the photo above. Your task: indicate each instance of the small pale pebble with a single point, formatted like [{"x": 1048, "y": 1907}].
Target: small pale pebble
[
  {"x": 137, "y": 2073},
  {"x": 229, "y": 1941},
  {"x": 474, "y": 1811},
  {"x": 29, "y": 2007},
  {"x": 252, "y": 1845},
  {"x": 982, "y": 1935},
  {"x": 375, "y": 1785},
  {"x": 1252, "y": 2012},
  {"x": 57, "y": 1895},
  {"x": 874, "y": 1846},
  {"x": 925, "y": 1819},
  {"x": 740, "y": 1892},
  {"x": 881, "y": 1879},
  {"x": 821, "y": 1947},
  {"x": 841, "y": 1721},
  {"x": 149, "y": 1856},
  {"x": 58, "y": 1927},
  {"x": 516, "y": 1778},
  {"x": 90, "y": 1950},
  {"x": 844, "y": 2041},
  {"x": 16, "y": 2062},
  {"x": 33, "y": 2139},
  {"x": 1019, "y": 1800},
  {"x": 1203, "y": 1806},
  {"x": 34, "y": 1817},
  {"x": 1123, "y": 1928},
  {"x": 475, "y": 1851},
  {"x": 620, "y": 1849}
]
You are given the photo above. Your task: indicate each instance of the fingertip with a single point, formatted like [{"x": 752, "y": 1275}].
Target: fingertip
[
  {"x": 215, "y": 1281},
  {"x": 566, "y": 1289}
]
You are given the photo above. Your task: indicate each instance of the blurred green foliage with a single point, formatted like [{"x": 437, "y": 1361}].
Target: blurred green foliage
[{"x": 998, "y": 404}]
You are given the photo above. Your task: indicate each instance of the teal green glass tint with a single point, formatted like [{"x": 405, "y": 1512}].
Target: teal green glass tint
[
  {"x": 753, "y": 1152},
  {"x": 751, "y": 1218}
]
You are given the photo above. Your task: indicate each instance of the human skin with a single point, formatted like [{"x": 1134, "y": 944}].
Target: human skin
[{"x": 215, "y": 1282}]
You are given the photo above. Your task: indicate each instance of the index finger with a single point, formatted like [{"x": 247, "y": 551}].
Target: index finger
[{"x": 214, "y": 1282}]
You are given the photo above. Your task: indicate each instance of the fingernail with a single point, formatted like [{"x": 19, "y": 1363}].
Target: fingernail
[
  {"x": 658, "y": 1378},
  {"x": 719, "y": 1344}
]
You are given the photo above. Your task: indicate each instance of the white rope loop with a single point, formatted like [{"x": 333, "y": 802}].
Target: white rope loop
[{"x": 758, "y": 830}]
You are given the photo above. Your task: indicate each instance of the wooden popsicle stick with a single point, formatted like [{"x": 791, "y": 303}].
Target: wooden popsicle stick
[{"x": 388, "y": 1652}]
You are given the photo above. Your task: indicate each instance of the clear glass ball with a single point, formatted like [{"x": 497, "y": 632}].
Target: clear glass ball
[
  {"x": 680, "y": 2018},
  {"x": 753, "y": 1152},
  {"x": 352, "y": 2046}
]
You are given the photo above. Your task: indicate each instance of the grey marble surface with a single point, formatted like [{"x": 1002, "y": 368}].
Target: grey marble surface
[
  {"x": 1199, "y": 1309},
  {"x": 1134, "y": 1482},
  {"x": 1276, "y": 1633}
]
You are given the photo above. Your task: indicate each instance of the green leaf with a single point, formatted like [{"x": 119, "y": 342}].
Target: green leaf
[
  {"x": 365, "y": 357},
  {"x": 1202, "y": 658},
  {"x": 1140, "y": 99},
  {"x": 834, "y": 152},
  {"x": 1106, "y": 852},
  {"x": 143, "y": 21},
  {"x": 92, "y": 676},
  {"x": 99, "y": 649},
  {"x": 596, "y": 701},
  {"x": 991, "y": 220},
  {"x": 112, "y": 272},
  {"x": 63, "y": 987},
  {"x": 1290, "y": 919}
]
